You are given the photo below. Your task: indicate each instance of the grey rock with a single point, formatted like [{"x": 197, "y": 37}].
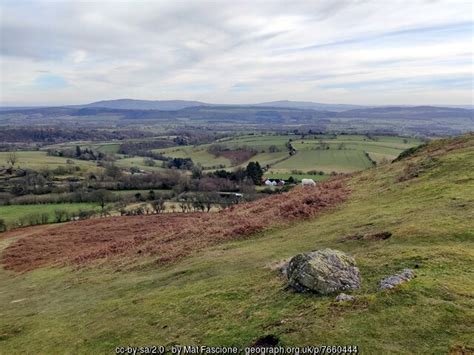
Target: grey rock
[
  {"x": 394, "y": 280},
  {"x": 342, "y": 297},
  {"x": 323, "y": 271}
]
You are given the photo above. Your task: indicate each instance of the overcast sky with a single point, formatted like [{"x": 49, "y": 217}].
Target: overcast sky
[{"x": 360, "y": 52}]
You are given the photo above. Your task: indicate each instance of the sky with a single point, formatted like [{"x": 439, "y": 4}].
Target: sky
[{"x": 383, "y": 52}]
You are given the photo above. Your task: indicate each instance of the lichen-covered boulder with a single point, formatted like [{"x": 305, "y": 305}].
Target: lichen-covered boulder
[
  {"x": 323, "y": 271},
  {"x": 395, "y": 280}
]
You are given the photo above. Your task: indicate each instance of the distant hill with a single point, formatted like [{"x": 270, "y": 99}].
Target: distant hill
[
  {"x": 408, "y": 112},
  {"x": 308, "y": 105},
  {"x": 129, "y": 104},
  {"x": 172, "y": 105},
  {"x": 401, "y": 120}
]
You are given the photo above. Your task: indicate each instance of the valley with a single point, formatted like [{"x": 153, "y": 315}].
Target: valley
[
  {"x": 229, "y": 294},
  {"x": 125, "y": 176}
]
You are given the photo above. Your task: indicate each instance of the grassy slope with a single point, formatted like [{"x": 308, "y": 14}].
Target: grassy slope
[{"x": 227, "y": 295}]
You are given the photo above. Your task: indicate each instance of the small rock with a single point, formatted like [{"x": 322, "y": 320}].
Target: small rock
[
  {"x": 323, "y": 271},
  {"x": 394, "y": 280},
  {"x": 342, "y": 297}
]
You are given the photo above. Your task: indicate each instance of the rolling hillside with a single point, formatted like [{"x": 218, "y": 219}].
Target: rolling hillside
[{"x": 226, "y": 292}]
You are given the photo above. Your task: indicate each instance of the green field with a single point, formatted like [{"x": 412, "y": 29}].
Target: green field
[
  {"x": 325, "y": 160},
  {"x": 108, "y": 148},
  {"x": 346, "y": 153},
  {"x": 198, "y": 154},
  {"x": 39, "y": 159},
  {"x": 138, "y": 162},
  {"x": 13, "y": 213},
  {"x": 285, "y": 176},
  {"x": 228, "y": 295}
]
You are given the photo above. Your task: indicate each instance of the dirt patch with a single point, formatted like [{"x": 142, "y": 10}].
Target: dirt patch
[
  {"x": 377, "y": 236},
  {"x": 167, "y": 236},
  {"x": 461, "y": 350},
  {"x": 266, "y": 341},
  {"x": 368, "y": 236}
]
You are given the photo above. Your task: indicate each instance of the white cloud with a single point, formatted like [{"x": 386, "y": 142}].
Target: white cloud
[
  {"x": 78, "y": 56},
  {"x": 333, "y": 51}
]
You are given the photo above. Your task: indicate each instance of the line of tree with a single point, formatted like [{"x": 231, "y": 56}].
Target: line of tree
[{"x": 79, "y": 153}]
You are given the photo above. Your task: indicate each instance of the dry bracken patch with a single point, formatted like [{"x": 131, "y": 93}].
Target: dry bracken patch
[{"x": 167, "y": 237}]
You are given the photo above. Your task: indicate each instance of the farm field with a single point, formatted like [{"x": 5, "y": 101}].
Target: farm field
[
  {"x": 14, "y": 213},
  {"x": 328, "y": 153},
  {"x": 108, "y": 148},
  {"x": 39, "y": 159},
  {"x": 138, "y": 162},
  {"x": 198, "y": 154},
  {"x": 341, "y": 161},
  {"x": 273, "y": 174},
  {"x": 228, "y": 293}
]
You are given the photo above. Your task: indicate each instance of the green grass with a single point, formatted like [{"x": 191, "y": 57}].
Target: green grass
[
  {"x": 108, "y": 148},
  {"x": 13, "y": 213},
  {"x": 350, "y": 158},
  {"x": 325, "y": 160},
  {"x": 198, "y": 154},
  {"x": 276, "y": 175},
  {"x": 138, "y": 162},
  {"x": 227, "y": 295},
  {"x": 39, "y": 159}
]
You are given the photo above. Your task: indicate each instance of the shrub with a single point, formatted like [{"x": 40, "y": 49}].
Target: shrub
[
  {"x": 158, "y": 206},
  {"x": 149, "y": 162},
  {"x": 3, "y": 225},
  {"x": 44, "y": 218},
  {"x": 61, "y": 215},
  {"x": 85, "y": 214}
]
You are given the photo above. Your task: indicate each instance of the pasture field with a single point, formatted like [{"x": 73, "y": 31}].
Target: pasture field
[
  {"x": 108, "y": 148},
  {"x": 267, "y": 158},
  {"x": 13, "y": 213},
  {"x": 39, "y": 159},
  {"x": 143, "y": 192},
  {"x": 285, "y": 176},
  {"x": 198, "y": 154},
  {"x": 228, "y": 294},
  {"x": 343, "y": 161},
  {"x": 138, "y": 162},
  {"x": 258, "y": 142},
  {"x": 343, "y": 153}
]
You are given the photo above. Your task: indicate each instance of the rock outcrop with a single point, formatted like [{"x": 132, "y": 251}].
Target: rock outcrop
[
  {"x": 323, "y": 271},
  {"x": 394, "y": 280}
]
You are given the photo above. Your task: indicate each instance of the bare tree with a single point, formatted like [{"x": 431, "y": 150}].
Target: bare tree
[
  {"x": 12, "y": 159},
  {"x": 158, "y": 205}
]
